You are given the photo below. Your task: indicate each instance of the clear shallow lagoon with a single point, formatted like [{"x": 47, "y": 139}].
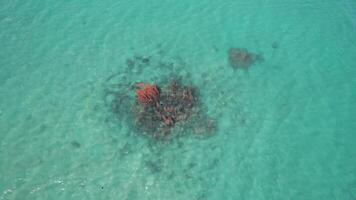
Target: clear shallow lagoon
[{"x": 286, "y": 127}]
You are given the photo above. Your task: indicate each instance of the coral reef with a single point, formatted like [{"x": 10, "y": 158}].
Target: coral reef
[
  {"x": 147, "y": 94},
  {"x": 162, "y": 110},
  {"x": 158, "y": 111},
  {"x": 241, "y": 58}
]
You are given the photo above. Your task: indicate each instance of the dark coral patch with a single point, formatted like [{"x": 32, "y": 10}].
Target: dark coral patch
[
  {"x": 173, "y": 104},
  {"x": 241, "y": 58}
]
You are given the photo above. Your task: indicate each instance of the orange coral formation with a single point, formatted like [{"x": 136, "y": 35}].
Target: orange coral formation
[{"x": 147, "y": 94}]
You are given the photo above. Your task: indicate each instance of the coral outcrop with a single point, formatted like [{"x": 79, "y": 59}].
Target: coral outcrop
[
  {"x": 161, "y": 110},
  {"x": 157, "y": 111},
  {"x": 147, "y": 94}
]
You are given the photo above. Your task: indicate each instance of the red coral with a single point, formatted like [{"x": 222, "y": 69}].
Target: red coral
[
  {"x": 168, "y": 121},
  {"x": 147, "y": 94}
]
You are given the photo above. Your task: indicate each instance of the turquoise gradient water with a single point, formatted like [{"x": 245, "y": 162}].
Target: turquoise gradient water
[{"x": 286, "y": 127}]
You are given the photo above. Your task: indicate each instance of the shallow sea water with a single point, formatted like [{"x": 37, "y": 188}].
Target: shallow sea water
[{"x": 285, "y": 127}]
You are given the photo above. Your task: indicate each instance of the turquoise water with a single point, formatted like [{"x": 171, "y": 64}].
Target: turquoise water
[{"x": 286, "y": 126}]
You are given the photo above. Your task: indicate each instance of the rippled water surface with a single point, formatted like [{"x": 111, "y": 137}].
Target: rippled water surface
[{"x": 285, "y": 126}]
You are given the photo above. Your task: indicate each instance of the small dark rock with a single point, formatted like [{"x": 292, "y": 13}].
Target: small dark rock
[
  {"x": 126, "y": 149},
  {"x": 275, "y": 45},
  {"x": 75, "y": 144},
  {"x": 153, "y": 166},
  {"x": 142, "y": 59},
  {"x": 130, "y": 63}
]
